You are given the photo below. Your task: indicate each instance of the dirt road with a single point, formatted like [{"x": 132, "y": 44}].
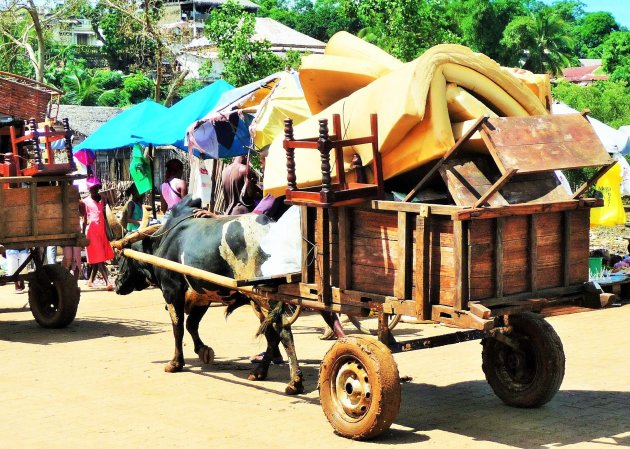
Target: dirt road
[{"x": 100, "y": 384}]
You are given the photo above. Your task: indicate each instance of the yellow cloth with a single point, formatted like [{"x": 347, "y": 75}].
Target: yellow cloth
[
  {"x": 410, "y": 99},
  {"x": 612, "y": 213},
  {"x": 285, "y": 101}
]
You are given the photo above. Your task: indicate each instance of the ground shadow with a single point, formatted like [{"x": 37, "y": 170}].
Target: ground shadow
[
  {"x": 80, "y": 329},
  {"x": 471, "y": 409}
]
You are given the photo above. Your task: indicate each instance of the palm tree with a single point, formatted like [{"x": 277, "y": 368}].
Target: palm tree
[
  {"x": 540, "y": 42},
  {"x": 81, "y": 87}
]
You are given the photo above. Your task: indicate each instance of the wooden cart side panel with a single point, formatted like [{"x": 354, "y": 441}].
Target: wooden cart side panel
[
  {"x": 518, "y": 260},
  {"x": 53, "y": 213}
]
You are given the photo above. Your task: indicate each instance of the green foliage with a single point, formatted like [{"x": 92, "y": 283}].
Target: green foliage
[
  {"x": 592, "y": 31},
  {"x": 616, "y": 56},
  {"x": 230, "y": 28},
  {"x": 110, "y": 79},
  {"x": 206, "y": 70},
  {"x": 406, "y": 29},
  {"x": 608, "y": 101},
  {"x": 190, "y": 86},
  {"x": 81, "y": 87},
  {"x": 125, "y": 45},
  {"x": 482, "y": 23},
  {"x": 136, "y": 88},
  {"x": 540, "y": 42}
]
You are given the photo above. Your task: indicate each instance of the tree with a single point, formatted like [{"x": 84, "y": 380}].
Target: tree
[
  {"x": 231, "y": 29},
  {"x": 405, "y": 28},
  {"x": 608, "y": 101},
  {"x": 616, "y": 56},
  {"x": 482, "y": 23},
  {"x": 540, "y": 41},
  {"x": 25, "y": 24},
  {"x": 592, "y": 31}
]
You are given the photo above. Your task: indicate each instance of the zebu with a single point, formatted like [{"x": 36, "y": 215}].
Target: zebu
[{"x": 225, "y": 245}]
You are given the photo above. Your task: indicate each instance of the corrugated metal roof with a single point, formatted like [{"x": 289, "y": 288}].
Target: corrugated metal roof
[{"x": 577, "y": 74}]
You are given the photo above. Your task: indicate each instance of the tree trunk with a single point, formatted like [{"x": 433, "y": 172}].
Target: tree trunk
[{"x": 41, "y": 44}]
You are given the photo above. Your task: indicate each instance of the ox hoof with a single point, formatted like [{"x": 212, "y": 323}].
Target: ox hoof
[
  {"x": 206, "y": 354},
  {"x": 173, "y": 367},
  {"x": 256, "y": 376},
  {"x": 295, "y": 387}
]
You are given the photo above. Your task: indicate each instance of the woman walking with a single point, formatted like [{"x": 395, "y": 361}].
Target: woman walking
[{"x": 98, "y": 250}]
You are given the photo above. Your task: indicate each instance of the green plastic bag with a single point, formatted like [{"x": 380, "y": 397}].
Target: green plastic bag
[{"x": 140, "y": 170}]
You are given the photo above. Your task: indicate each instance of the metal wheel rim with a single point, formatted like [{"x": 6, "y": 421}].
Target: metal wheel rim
[
  {"x": 518, "y": 367},
  {"x": 351, "y": 390}
]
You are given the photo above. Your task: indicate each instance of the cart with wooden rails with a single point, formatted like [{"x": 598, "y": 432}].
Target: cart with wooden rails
[{"x": 506, "y": 242}]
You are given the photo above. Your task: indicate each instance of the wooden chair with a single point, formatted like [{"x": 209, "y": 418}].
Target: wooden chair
[{"x": 330, "y": 194}]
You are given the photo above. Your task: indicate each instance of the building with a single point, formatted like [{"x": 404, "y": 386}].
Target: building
[
  {"x": 77, "y": 32},
  {"x": 590, "y": 70},
  {"x": 282, "y": 39}
]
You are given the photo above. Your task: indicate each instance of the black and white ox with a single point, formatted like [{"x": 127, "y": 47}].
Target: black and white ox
[{"x": 224, "y": 245}]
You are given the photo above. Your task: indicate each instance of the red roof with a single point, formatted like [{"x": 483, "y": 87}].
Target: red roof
[{"x": 579, "y": 74}]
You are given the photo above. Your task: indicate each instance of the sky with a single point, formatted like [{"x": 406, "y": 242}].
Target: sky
[{"x": 620, "y": 9}]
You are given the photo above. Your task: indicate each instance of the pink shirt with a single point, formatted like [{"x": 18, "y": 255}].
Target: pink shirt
[{"x": 170, "y": 195}]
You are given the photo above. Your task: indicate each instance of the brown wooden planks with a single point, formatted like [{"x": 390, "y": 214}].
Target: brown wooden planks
[{"x": 544, "y": 143}]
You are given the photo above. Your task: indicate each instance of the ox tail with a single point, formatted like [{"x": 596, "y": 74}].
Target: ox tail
[
  {"x": 275, "y": 314},
  {"x": 239, "y": 301}
]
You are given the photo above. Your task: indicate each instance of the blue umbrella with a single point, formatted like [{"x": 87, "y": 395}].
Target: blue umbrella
[
  {"x": 170, "y": 129},
  {"x": 121, "y": 130}
]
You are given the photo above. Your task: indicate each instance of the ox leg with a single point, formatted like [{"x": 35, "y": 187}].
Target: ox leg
[
  {"x": 176, "y": 311},
  {"x": 205, "y": 353},
  {"x": 295, "y": 385},
  {"x": 262, "y": 368}
]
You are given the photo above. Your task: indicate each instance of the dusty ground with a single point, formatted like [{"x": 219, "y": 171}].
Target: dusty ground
[{"x": 100, "y": 384}]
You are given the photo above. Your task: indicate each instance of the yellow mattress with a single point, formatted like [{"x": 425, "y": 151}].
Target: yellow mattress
[{"x": 417, "y": 104}]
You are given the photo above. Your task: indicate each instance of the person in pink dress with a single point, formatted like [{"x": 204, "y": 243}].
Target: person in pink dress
[
  {"x": 98, "y": 250},
  {"x": 173, "y": 188}
]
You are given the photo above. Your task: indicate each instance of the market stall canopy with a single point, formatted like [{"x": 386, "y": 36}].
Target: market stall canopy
[
  {"x": 122, "y": 130},
  {"x": 614, "y": 140},
  {"x": 171, "y": 128},
  {"x": 423, "y": 106},
  {"x": 223, "y": 131}
]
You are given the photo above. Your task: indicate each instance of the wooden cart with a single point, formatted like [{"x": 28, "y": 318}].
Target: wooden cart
[
  {"x": 506, "y": 242},
  {"x": 35, "y": 212}
]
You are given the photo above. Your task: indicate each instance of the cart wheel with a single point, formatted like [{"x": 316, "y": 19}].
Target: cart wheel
[
  {"x": 369, "y": 325},
  {"x": 530, "y": 375},
  {"x": 359, "y": 387},
  {"x": 54, "y": 301}
]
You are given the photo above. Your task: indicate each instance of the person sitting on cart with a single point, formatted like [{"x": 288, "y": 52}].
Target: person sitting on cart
[
  {"x": 134, "y": 211},
  {"x": 98, "y": 250},
  {"x": 173, "y": 188}
]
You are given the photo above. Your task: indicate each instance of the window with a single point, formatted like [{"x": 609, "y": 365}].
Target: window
[{"x": 82, "y": 39}]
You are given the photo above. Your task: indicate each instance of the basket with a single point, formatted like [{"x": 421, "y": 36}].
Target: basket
[{"x": 24, "y": 98}]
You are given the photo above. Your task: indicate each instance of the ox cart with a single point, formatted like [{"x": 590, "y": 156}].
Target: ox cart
[
  {"x": 36, "y": 212},
  {"x": 501, "y": 243}
]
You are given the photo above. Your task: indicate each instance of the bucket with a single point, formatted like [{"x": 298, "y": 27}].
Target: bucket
[{"x": 594, "y": 266}]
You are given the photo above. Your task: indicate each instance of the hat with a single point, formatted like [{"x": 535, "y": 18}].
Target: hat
[{"x": 92, "y": 181}]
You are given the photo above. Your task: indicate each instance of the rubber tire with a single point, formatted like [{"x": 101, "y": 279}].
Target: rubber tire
[
  {"x": 53, "y": 305},
  {"x": 544, "y": 358},
  {"x": 372, "y": 330},
  {"x": 382, "y": 372}
]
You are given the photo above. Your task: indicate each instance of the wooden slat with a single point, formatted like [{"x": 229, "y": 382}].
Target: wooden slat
[
  {"x": 467, "y": 182},
  {"x": 566, "y": 248},
  {"x": 345, "y": 249},
  {"x": 523, "y": 209},
  {"x": 498, "y": 256},
  {"x": 492, "y": 191},
  {"x": 460, "y": 253},
  {"x": 405, "y": 255},
  {"x": 307, "y": 245},
  {"x": 322, "y": 237},
  {"x": 533, "y": 253},
  {"x": 423, "y": 266}
]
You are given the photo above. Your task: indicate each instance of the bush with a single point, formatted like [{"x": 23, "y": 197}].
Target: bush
[
  {"x": 137, "y": 88},
  {"x": 109, "y": 98}
]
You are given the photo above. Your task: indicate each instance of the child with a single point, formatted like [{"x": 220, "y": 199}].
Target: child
[
  {"x": 133, "y": 210},
  {"x": 99, "y": 249}
]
